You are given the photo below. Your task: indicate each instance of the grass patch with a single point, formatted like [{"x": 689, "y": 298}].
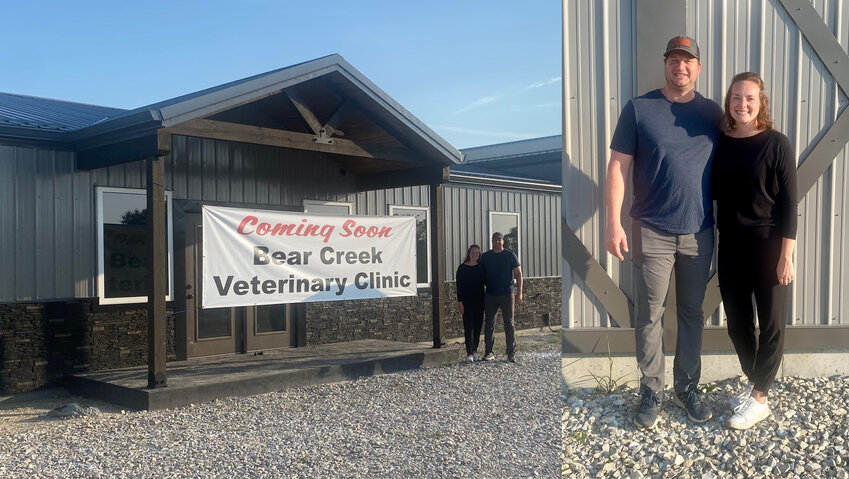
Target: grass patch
[{"x": 580, "y": 435}]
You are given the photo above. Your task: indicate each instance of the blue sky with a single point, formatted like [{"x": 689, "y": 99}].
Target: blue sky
[{"x": 477, "y": 72}]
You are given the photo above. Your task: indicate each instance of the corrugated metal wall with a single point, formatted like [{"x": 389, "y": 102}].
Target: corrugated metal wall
[
  {"x": 47, "y": 240},
  {"x": 376, "y": 203},
  {"x": 734, "y": 36},
  {"x": 467, "y": 221},
  {"x": 47, "y": 210},
  {"x": 42, "y": 202}
]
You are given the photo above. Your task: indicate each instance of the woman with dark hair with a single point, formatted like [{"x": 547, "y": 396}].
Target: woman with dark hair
[
  {"x": 470, "y": 289},
  {"x": 754, "y": 185}
]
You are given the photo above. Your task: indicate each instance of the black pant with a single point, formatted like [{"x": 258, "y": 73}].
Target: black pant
[
  {"x": 747, "y": 267},
  {"x": 472, "y": 323}
]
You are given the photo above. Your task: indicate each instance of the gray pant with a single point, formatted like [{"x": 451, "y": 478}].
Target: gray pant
[
  {"x": 491, "y": 304},
  {"x": 655, "y": 254}
]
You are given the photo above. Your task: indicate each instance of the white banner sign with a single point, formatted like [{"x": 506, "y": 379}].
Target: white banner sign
[{"x": 254, "y": 257}]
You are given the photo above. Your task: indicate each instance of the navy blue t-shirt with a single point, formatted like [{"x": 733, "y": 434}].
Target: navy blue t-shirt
[
  {"x": 672, "y": 145},
  {"x": 498, "y": 270}
]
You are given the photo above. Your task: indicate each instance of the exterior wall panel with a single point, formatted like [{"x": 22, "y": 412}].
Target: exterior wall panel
[
  {"x": 24, "y": 223},
  {"x": 45, "y": 246},
  {"x": 467, "y": 211},
  {"x": 84, "y": 237},
  {"x": 63, "y": 205},
  {"x": 734, "y": 36},
  {"x": 48, "y": 208},
  {"x": 8, "y": 231}
]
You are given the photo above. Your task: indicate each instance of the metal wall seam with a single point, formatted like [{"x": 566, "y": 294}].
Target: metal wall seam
[{"x": 795, "y": 139}]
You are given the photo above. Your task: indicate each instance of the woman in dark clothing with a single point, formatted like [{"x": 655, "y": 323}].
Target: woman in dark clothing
[
  {"x": 470, "y": 282},
  {"x": 754, "y": 185}
]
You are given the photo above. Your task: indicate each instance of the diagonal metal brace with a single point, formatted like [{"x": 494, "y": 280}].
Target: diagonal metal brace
[{"x": 596, "y": 278}]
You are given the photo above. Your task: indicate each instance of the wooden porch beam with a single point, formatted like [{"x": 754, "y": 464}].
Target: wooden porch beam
[
  {"x": 157, "y": 274},
  {"x": 289, "y": 139},
  {"x": 439, "y": 292},
  {"x": 332, "y": 125},
  {"x": 306, "y": 113}
]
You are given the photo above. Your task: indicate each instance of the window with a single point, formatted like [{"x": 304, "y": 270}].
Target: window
[
  {"x": 508, "y": 225},
  {"x": 316, "y": 207},
  {"x": 122, "y": 257},
  {"x": 422, "y": 215}
]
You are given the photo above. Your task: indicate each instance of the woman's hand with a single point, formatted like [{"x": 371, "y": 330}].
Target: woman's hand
[
  {"x": 460, "y": 305},
  {"x": 785, "y": 270}
]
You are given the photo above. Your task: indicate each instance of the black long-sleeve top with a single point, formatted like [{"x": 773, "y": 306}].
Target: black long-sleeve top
[
  {"x": 470, "y": 282},
  {"x": 754, "y": 185}
]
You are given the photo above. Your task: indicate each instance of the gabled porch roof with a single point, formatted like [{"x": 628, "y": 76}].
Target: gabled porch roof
[{"x": 322, "y": 105}]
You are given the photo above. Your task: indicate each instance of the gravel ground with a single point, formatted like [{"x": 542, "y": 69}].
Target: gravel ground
[
  {"x": 807, "y": 435},
  {"x": 481, "y": 420}
]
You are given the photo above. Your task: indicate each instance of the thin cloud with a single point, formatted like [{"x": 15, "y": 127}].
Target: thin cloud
[
  {"x": 548, "y": 105},
  {"x": 500, "y": 134},
  {"x": 477, "y": 103},
  {"x": 543, "y": 83}
]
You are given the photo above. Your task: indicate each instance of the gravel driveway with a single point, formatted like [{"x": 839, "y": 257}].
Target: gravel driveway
[
  {"x": 488, "y": 419},
  {"x": 807, "y": 435}
]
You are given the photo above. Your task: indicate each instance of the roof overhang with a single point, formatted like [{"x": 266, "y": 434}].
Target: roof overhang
[
  {"x": 504, "y": 182},
  {"x": 322, "y": 105}
]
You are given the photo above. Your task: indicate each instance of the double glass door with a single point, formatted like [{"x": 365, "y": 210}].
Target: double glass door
[{"x": 227, "y": 330}]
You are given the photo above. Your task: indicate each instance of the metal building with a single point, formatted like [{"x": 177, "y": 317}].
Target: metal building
[
  {"x": 76, "y": 182},
  {"x": 75, "y": 246},
  {"x": 612, "y": 51}
]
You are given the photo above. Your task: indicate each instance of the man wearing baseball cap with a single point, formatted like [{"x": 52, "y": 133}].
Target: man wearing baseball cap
[
  {"x": 501, "y": 270},
  {"x": 667, "y": 137}
]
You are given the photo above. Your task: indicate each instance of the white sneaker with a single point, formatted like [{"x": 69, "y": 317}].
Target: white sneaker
[
  {"x": 750, "y": 414},
  {"x": 736, "y": 401},
  {"x": 470, "y": 359},
  {"x": 475, "y": 355}
]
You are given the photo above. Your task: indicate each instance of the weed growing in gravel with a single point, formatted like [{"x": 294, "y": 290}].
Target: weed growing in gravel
[
  {"x": 607, "y": 384},
  {"x": 580, "y": 435}
]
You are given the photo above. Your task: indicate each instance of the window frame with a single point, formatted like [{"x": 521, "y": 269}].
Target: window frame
[
  {"x": 305, "y": 204},
  {"x": 101, "y": 265},
  {"x": 518, "y": 229},
  {"x": 426, "y": 209}
]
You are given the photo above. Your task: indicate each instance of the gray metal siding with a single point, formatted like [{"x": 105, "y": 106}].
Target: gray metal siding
[
  {"x": 37, "y": 218},
  {"x": 467, "y": 222},
  {"x": 48, "y": 236},
  {"x": 203, "y": 169},
  {"x": 47, "y": 209},
  {"x": 734, "y": 36},
  {"x": 377, "y": 202}
]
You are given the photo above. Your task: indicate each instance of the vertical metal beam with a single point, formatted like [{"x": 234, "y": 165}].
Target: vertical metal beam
[
  {"x": 157, "y": 252},
  {"x": 437, "y": 261},
  {"x": 657, "y": 22}
]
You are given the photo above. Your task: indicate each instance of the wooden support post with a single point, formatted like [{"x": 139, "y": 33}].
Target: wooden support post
[
  {"x": 157, "y": 252},
  {"x": 437, "y": 263}
]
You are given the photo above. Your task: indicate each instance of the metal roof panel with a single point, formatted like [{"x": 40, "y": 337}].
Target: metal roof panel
[{"x": 46, "y": 114}]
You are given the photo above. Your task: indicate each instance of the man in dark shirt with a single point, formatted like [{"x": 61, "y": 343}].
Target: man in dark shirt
[
  {"x": 668, "y": 136},
  {"x": 501, "y": 268}
]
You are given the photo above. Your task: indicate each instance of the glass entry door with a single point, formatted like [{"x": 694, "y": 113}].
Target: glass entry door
[
  {"x": 227, "y": 330},
  {"x": 267, "y": 327}
]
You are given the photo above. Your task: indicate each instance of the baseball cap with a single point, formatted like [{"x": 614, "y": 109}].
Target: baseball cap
[
  {"x": 684, "y": 44},
  {"x": 497, "y": 235}
]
